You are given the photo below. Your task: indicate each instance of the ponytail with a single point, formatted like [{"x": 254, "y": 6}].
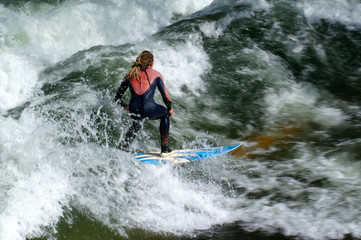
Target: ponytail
[{"x": 144, "y": 60}]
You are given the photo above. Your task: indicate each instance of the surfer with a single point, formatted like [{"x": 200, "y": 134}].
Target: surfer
[{"x": 142, "y": 80}]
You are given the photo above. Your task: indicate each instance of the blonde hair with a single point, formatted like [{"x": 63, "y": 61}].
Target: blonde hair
[{"x": 144, "y": 59}]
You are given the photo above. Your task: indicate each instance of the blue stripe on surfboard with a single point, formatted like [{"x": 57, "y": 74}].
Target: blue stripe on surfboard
[{"x": 154, "y": 161}]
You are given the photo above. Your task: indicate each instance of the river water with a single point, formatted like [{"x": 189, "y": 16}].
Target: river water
[{"x": 282, "y": 77}]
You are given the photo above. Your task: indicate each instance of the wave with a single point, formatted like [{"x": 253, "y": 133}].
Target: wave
[{"x": 279, "y": 76}]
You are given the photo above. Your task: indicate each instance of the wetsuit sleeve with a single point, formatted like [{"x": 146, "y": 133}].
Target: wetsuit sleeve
[
  {"x": 121, "y": 90},
  {"x": 165, "y": 95}
]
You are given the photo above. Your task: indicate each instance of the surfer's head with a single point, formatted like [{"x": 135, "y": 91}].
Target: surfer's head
[{"x": 145, "y": 59}]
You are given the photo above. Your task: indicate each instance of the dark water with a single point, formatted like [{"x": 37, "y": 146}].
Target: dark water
[{"x": 283, "y": 77}]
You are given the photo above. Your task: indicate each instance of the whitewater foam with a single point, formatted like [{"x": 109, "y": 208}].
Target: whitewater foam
[
  {"x": 347, "y": 12},
  {"x": 182, "y": 65},
  {"x": 34, "y": 204},
  {"x": 18, "y": 78},
  {"x": 35, "y": 189},
  {"x": 302, "y": 104}
]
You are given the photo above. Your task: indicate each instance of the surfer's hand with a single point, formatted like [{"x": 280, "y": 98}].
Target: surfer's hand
[
  {"x": 127, "y": 108},
  {"x": 171, "y": 111}
]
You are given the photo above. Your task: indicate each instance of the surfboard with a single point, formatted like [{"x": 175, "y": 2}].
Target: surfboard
[{"x": 185, "y": 155}]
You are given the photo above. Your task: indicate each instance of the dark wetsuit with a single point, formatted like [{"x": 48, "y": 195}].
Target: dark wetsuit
[{"x": 142, "y": 105}]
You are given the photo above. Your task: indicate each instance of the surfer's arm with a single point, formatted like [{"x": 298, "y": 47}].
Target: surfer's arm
[
  {"x": 121, "y": 90},
  {"x": 165, "y": 95}
]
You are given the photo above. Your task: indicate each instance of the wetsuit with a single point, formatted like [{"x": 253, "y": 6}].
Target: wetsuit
[{"x": 142, "y": 105}]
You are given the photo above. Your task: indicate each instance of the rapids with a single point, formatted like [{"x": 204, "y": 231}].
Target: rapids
[{"x": 283, "y": 77}]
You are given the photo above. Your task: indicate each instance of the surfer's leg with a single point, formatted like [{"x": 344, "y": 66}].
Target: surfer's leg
[
  {"x": 131, "y": 134},
  {"x": 154, "y": 112},
  {"x": 164, "y": 133}
]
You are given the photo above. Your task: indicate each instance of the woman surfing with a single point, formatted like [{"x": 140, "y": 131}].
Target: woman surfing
[{"x": 143, "y": 80}]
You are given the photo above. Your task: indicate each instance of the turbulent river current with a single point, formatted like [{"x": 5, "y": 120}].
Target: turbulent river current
[{"x": 282, "y": 77}]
